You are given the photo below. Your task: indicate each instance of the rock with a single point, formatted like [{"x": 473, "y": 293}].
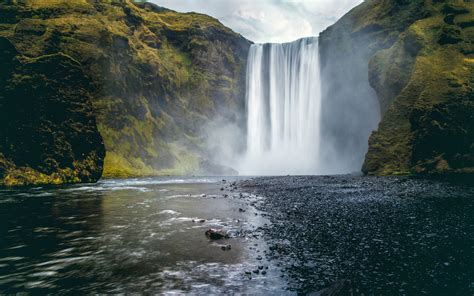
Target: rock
[
  {"x": 48, "y": 129},
  {"x": 75, "y": 80},
  {"x": 215, "y": 234},
  {"x": 241, "y": 210},
  {"x": 226, "y": 248},
  {"x": 410, "y": 135},
  {"x": 214, "y": 169}
]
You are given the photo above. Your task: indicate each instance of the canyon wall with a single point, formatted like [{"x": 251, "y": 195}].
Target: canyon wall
[
  {"x": 149, "y": 78},
  {"x": 416, "y": 59}
]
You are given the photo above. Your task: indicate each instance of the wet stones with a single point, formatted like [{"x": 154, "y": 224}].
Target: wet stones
[
  {"x": 229, "y": 186},
  {"x": 226, "y": 248},
  {"x": 259, "y": 270},
  {"x": 215, "y": 234},
  {"x": 343, "y": 287}
]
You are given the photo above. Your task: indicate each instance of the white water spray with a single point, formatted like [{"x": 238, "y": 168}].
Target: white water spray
[{"x": 283, "y": 109}]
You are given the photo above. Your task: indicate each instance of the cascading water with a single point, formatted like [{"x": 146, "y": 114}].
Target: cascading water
[{"x": 283, "y": 109}]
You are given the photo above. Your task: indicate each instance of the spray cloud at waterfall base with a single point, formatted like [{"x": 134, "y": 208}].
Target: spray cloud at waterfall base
[
  {"x": 306, "y": 113},
  {"x": 283, "y": 109}
]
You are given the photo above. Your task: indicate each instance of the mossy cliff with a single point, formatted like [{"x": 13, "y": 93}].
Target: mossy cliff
[
  {"x": 418, "y": 56},
  {"x": 47, "y": 127},
  {"x": 155, "y": 78}
]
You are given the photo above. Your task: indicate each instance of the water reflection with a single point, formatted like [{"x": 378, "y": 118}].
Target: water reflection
[{"x": 127, "y": 236}]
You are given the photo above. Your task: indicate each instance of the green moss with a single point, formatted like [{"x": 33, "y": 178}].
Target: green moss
[
  {"x": 418, "y": 58},
  {"x": 22, "y": 176},
  {"x": 49, "y": 134},
  {"x": 426, "y": 96},
  {"x": 158, "y": 76}
]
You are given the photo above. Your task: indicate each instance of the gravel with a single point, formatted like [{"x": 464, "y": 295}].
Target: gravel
[{"x": 391, "y": 235}]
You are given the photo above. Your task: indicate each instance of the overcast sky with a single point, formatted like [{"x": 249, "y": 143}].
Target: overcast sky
[{"x": 269, "y": 20}]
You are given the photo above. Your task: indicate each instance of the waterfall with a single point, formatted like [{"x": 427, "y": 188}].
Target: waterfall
[{"x": 283, "y": 109}]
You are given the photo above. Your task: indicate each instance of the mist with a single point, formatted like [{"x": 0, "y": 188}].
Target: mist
[
  {"x": 308, "y": 112},
  {"x": 346, "y": 108},
  {"x": 350, "y": 107}
]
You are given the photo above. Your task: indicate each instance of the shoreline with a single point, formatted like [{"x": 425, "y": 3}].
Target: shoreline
[{"x": 394, "y": 235}]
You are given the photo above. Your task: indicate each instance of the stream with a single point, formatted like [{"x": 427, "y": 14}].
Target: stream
[
  {"x": 136, "y": 235},
  {"x": 286, "y": 235}
]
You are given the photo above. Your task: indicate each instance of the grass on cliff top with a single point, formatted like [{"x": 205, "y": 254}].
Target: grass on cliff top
[
  {"x": 57, "y": 3},
  {"x": 183, "y": 22}
]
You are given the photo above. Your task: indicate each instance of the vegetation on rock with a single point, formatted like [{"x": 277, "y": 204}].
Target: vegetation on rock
[
  {"x": 157, "y": 77},
  {"x": 419, "y": 58},
  {"x": 144, "y": 82},
  {"x": 47, "y": 127}
]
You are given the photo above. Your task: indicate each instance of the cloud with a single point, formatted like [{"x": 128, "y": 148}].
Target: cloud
[{"x": 269, "y": 20}]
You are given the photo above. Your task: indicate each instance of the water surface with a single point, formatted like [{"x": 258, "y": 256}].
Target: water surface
[{"x": 138, "y": 235}]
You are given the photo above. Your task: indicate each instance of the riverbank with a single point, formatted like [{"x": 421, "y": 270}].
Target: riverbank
[{"x": 391, "y": 235}]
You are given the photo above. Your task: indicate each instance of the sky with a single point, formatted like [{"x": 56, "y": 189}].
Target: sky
[{"x": 269, "y": 20}]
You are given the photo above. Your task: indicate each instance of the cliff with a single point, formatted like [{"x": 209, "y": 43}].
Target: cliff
[
  {"x": 145, "y": 79},
  {"x": 416, "y": 58},
  {"x": 47, "y": 127}
]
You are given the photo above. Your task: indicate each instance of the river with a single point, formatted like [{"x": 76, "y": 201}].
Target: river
[
  {"x": 137, "y": 235},
  {"x": 287, "y": 235}
]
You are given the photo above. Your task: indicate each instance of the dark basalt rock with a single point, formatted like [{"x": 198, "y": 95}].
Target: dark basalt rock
[
  {"x": 216, "y": 234},
  {"x": 226, "y": 248},
  {"x": 155, "y": 79},
  {"x": 49, "y": 132},
  {"x": 418, "y": 57},
  {"x": 450, "y": 35}
]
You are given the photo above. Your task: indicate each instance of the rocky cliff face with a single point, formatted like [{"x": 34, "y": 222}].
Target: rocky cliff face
[
  {"x": 418, "y": 58},
  {"x": 152, "y": 78},
  {"x": 47, "y": 127}
]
